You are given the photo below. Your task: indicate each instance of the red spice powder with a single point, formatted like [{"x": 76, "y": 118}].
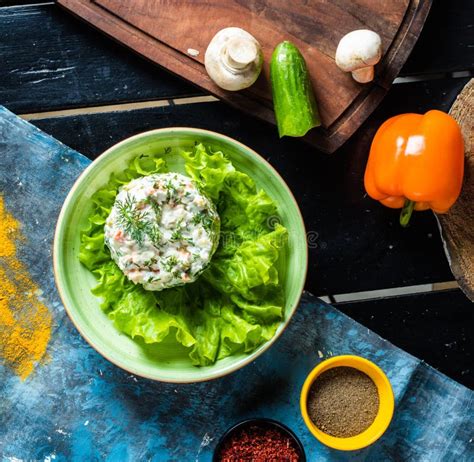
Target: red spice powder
[{"x": 259, "y": 443}]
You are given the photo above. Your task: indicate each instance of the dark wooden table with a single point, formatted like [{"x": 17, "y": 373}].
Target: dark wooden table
[{"x": 89, "y": 93}]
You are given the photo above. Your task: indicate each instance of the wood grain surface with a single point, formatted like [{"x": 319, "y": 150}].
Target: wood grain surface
[
  {"x": 432, "y": 325},
  {"x": 68, "y": 64},
  {"x": 50, "y": 61},
  {"x": 39, "y": 41},
  {"x": 445, "y": 43},
  {"x": 356, "y": 244},
  {"x": 163, "y": 31},
  {"x": 457, "y": 226}
]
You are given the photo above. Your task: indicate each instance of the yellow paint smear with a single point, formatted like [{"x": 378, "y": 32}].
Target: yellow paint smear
[{"x": 25, "y": 322}]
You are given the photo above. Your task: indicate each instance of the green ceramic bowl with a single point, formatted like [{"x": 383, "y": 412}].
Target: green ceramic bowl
[{"x": 168, "y": 361}]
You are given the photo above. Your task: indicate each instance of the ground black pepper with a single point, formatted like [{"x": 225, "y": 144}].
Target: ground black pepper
[
  {"x": 259, "y": 443},
  {"x": 343, "y": 402}
]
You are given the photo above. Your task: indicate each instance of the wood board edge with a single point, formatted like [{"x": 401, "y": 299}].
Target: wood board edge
[{"x": 327, "y": 140}]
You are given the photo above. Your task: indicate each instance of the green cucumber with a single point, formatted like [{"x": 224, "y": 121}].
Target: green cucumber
[{"x": 293, "y": 98}]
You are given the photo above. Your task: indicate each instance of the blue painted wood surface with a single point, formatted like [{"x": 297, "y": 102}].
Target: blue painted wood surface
[{"x": 80, "y": 407}]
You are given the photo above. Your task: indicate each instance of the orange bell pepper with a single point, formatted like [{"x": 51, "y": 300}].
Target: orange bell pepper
[{"x": 416, "y": 162}]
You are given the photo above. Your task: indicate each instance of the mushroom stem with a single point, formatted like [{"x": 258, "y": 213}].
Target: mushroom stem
[
  {"x": 358, "y": 52},
  {"x": 233, "y": 59},
  {"x": 364, "y": 74},
  {"x": 240, "y": 52}
]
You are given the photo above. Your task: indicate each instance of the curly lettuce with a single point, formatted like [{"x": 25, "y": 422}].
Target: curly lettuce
[{"x": 236, "y": 304}]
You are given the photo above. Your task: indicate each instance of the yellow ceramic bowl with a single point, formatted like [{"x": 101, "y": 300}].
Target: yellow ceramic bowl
[{"x": 382, "y": 419}]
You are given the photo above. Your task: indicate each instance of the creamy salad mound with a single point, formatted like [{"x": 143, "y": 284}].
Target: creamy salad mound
[{"x": 162, "y": 231}]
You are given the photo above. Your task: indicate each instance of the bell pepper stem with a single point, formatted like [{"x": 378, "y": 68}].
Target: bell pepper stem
[{"x": 406, "y": 212}]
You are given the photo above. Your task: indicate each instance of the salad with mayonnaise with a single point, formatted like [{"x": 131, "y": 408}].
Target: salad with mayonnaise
[
  {"x": 162, "y": 231},
  {"x": 195, "y": 256}
]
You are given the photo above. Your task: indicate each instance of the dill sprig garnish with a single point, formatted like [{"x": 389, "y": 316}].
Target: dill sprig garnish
[
  {"x": 177, "y": 235},
  {"x": 154, "y": 234},
  {"x": 204, "y": 219},
  {"x": 171, "y": 192},
  {"x": 131, "y": 219},
  {"x": 155, "y": 206},
  {"x": 136, "y": 223},
  {"x": 170, "y": 263}
]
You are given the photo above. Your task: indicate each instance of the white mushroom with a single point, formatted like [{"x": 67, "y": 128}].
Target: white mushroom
[
  {"x": 233, "y": 59},
  {"x": 358, "y": 52}
]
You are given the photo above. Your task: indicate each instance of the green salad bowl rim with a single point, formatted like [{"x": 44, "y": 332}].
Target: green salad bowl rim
[{"x": 216, "y": 370}]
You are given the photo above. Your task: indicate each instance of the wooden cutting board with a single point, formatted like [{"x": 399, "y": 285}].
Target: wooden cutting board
[{"x": 163, "y": 31}]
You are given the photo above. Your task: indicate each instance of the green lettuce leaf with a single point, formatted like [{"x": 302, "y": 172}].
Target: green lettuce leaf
[{"x": 238, "y": 302}]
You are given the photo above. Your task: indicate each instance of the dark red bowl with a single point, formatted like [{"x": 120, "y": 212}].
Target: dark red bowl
[{"x": 266, "y": 423}]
